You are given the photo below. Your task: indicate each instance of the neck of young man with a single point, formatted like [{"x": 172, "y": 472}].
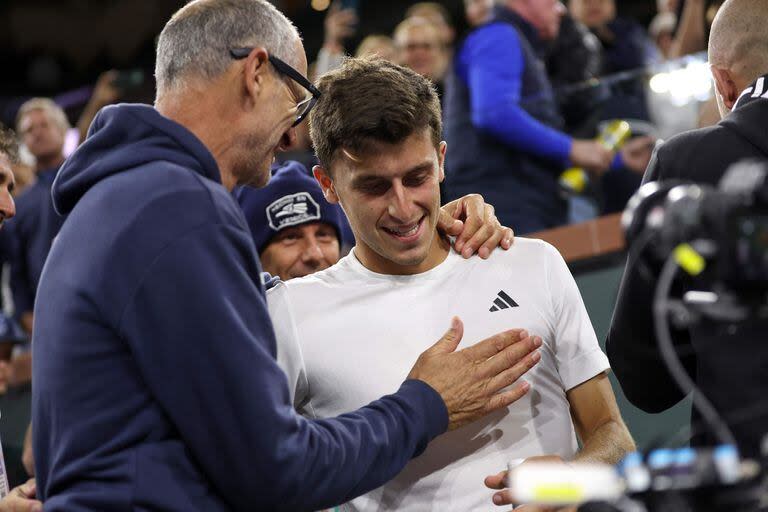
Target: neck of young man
[{"x": 373, "y": 261}]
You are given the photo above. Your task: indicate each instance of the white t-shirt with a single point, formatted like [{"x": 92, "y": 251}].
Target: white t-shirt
[{"x": 355, "y": 335}]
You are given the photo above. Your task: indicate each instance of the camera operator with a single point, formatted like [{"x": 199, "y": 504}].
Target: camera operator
[{"x": 726, "y": 361}]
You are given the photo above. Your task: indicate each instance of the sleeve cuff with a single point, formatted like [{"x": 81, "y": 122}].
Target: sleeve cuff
[
  {"x": 564, "y": 146},
  {"x": 583, "y": 368},
  {"x": 429, "y": 403}
]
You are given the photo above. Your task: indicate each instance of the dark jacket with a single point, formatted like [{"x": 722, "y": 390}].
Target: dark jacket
[
  {"x": 728, "y": 363},
  {"x": 30, "y": 235},
  {"x": 522, "y": 186},
  {"x": 155, "y": 381},
  {"x": 626, "y": 49}
]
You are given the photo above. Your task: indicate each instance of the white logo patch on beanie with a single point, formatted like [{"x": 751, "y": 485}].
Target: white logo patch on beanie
[{"x": 291, "y": 210}]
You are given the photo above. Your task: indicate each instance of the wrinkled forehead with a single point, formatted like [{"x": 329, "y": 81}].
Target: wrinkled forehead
[{"x": 36, "y": 115}]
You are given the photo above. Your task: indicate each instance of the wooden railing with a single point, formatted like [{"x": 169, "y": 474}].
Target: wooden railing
[{"x": 591, "y": 239}]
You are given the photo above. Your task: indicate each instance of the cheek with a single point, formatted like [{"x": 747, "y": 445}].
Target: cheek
[{"x": 331, "y": 252}]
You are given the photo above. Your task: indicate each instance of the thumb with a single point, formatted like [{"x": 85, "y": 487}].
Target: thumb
[
  {"x": 451, "y": 338},
  {"x": 448, "y": 224}
]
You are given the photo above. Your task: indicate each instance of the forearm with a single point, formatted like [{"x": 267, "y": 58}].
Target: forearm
[
  {"x": 690, "y": 35},
  {"x": 86, "y": 118},
  {"x": 519, "y": 130},
  {"x": 607, "y": 444}
]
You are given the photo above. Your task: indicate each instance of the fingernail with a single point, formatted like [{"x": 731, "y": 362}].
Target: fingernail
[
  {"x": 537, "y": 341},
  {"x": 496, "y": 499},
  {"x": 525, "y": 385},
  {"x": 535, "y": 357},
  {"x": 483, "y": 253},
  {"x": 467, "y": 252},
  {"x": 523, "y": 334},
  {"x": 506, "y": 243}
]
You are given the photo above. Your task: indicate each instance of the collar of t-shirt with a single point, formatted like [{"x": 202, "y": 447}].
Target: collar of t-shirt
[{"x": 353, "y": 265}]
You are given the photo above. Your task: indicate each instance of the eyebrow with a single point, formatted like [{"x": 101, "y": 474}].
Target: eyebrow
[{"x": 426, "y": 166}]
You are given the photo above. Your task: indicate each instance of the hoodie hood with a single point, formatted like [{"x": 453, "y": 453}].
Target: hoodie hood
[
  {"x": 749, "y": 115},
  {"x": 121, "y": 138}
]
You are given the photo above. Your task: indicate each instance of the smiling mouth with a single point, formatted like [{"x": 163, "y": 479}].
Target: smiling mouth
[{"x": 405, "y": 232}]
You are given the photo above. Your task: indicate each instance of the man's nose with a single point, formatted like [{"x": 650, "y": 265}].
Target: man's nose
[
  {"x": 312, "y": 251},
  {"x": 400, "y": 206}
]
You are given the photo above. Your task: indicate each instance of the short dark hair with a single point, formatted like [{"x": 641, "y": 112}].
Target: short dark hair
[
  {"x": 9, "y": 145},
  {"x": 369, "y": 101}
]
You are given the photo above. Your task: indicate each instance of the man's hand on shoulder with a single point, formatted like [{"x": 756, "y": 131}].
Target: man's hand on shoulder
[
  {"x": 474, "y": 224},
  {"x": 472, "y": 381}
]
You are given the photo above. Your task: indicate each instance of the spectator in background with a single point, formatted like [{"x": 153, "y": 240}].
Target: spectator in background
[
  {"x": 575, "y": 57},
  {"x": 662, "y": 32},
  {"x": 377, "y": 45},
  {"x": 295, "y": 230},
  {"x": 105, "y": 92},
  {"x": 419, "y": 47},
  {"x": 42, "y": 126},
  {"x": 439, "y": 16},
  {"x": 477, "y": 12},
  {"x": 20, "y": 499},
  {"x": 339, "y": 25},
  {"x": 502, "y": 122},
  {"x": 625, "y": 47},
  {"x": 9, "y": 154},
  {"x": 666, "y": 6}
]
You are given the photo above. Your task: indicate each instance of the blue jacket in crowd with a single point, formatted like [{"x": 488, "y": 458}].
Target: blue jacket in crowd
[
  {"x": 156, "y": 386},
  {"x": 501, "y": 125},
  {"x": 30, "y": 235}
]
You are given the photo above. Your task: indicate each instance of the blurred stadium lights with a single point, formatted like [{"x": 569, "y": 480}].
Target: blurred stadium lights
[
  {"x": 320, "y": 5},
  {"x": 684, "y": 80}
]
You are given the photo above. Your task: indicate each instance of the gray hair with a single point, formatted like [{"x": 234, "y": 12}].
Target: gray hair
[
  {"x": 55, "y": 113},
  {"x": 196, "y": 40}
]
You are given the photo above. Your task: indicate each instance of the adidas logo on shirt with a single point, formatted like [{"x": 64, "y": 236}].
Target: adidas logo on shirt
[{"x": 502, "y": 301}]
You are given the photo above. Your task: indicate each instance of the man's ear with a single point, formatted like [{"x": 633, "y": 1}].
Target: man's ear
[
  {"x": 441, "y": 160},
  {"x": 255, "y": 72},
  {"x": 726, "y": 86},
  {"x": 326, "y": 183}
]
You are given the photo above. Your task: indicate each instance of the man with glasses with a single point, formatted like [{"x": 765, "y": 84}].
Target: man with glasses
[{"x": 156, "y": 385}]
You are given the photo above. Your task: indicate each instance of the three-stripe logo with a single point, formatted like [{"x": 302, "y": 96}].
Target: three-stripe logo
[{"x": 502, "y": 301}]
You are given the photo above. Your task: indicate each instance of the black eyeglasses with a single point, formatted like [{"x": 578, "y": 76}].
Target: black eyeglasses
[{"x": 302, "y": 107}]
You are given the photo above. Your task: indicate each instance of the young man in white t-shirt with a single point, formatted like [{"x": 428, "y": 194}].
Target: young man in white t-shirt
[{"x": 345, "y": 334}]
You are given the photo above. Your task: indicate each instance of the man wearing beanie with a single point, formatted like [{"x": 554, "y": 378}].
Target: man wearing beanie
[{"x": 295, "y": 230}]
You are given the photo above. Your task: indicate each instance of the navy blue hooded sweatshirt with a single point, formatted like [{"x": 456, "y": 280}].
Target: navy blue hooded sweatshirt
[{"x": 156, "y": 386}]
